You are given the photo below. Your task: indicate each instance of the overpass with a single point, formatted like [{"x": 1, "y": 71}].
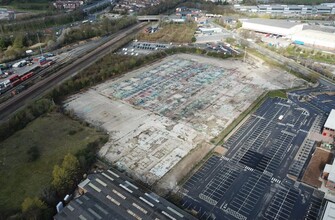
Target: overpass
[{"x": 149, "y": 18}]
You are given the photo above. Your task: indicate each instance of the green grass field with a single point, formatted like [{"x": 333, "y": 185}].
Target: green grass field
[
  {"x": 178, "y": 33},
  {"x": 54, "y": 135}
]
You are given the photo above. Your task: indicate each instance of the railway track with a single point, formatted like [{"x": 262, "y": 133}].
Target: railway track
[{"x": 40, "y": 88}]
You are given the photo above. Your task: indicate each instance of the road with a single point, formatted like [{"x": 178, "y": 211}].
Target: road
[
  {"x": 39, "y": 89},
  {"x": 293, "y": 65}
]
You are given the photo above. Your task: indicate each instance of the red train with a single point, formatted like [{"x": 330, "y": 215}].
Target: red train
[{"x": 16, "y": 79}]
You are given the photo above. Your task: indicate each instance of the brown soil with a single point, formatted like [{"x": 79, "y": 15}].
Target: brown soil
[{"x": 315, "y": 167}]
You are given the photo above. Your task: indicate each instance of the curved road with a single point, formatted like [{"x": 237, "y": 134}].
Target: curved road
[{"x": 37, "y": 90}]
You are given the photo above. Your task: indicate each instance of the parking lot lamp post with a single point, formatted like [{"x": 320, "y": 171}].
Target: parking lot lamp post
[
  {"x": 39, "y": 43},
  {"x": 245, "y": 54}
]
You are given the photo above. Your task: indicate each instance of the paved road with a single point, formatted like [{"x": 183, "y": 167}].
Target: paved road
[
  {"x": 285, "y": 61},
  {"x": 40, "y": 88}
]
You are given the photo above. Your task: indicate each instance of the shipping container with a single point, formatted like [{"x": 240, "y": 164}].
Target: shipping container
[{"x": 298, "y": 42}]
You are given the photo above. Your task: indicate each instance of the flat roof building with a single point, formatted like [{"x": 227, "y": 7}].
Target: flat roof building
[
  {"x": 329, "y": 126},
  {"x": 316, "y": 38},
  {"x": 112, "y": 195},
  {"x": 329, "y": 211},
  {"x": 273, "y": 26}
]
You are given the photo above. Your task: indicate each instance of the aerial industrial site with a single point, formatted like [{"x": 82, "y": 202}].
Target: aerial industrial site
[
  {"x": 157, "y": 114},
  {"x": 167, "y": 110}
]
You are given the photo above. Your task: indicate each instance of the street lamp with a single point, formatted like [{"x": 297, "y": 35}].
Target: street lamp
[{"x": 245, "y": 54}]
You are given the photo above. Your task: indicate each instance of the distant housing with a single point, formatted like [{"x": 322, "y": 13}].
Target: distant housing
[
  {"x": 69, "y": 5},
  {"x": 288, "y": 9}
]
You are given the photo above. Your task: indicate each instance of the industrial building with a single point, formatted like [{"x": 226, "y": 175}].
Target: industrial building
[
  {"x": 329, "y": 211},
  {"x": 315, "y": 36},
  {"x": 287, "y": 9},
  {"x": 112, "y": 195},
  {"x": 208, "y": 30},
  {"x": 329, "y": 126},
  {"x": 273, "y": 26}
]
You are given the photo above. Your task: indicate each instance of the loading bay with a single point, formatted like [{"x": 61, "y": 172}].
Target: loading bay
[{"x": 258, "y": 177}]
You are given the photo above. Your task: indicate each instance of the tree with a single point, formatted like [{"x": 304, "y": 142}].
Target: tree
[
  {"x": 18, "y": 41},
  {"x": 65, "y": 176},
  {"x": 71, "y": 165},
  {"x": 32, "y": 208}
]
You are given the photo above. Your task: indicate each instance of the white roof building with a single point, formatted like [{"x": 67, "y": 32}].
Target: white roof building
[
  {"x": 273, "y": 26},
  {"x": 329, "y": 213},
  {"x": 330, "y": 123},
  {"x": 330, "y": 168},
  {"x": 317, "y": 39}
]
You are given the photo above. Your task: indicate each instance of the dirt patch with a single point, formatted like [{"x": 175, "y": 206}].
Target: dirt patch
[
  {"x": 315, "y": 167},
  {"x": 179, "y": 33},
  {"x": 220, "y": 150}
]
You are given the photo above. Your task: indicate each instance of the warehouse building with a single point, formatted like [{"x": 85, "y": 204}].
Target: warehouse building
[
  {"x": 329, "y": 126},
  {"x": 315, "y": 38},
  {"x": 329, "y": 211},
  {"x": 112, "y": 195},
  {"x": 273, "y": 26}
]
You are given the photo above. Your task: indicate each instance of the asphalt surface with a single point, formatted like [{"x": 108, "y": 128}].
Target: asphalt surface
[
  {"x": 251, "y": 180},
  {"x": 37, "y": 90}
]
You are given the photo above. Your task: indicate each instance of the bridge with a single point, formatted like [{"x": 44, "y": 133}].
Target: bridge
[{"x": 149, "y": 18}]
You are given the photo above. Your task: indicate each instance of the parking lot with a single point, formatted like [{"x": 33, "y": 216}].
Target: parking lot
[
  {"x": 287, "y": 200},
  {"x": 136, "y": 48},
  {"x": 250, "y": 181}
]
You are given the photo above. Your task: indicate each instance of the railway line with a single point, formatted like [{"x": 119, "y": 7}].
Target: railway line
[{"x": 40, "y": 88}]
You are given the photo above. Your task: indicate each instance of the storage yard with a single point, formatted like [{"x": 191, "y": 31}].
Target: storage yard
[{"x": 157, "y": 114}]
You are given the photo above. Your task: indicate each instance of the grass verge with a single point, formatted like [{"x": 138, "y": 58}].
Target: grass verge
[
  {"x": 219, "y": 139},
  {"x": 255, "y": 105},
  {"x": 277, "y": 93},
  {"x": 51, "y": 137}
]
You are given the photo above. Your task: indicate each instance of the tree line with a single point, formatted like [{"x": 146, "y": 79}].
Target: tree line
[
  {"x": 40, "y": 23},
  {"x": 171, "y": 5},
  {"x": 14, "y": 46},
  {"x": 103, "y": 28}
]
